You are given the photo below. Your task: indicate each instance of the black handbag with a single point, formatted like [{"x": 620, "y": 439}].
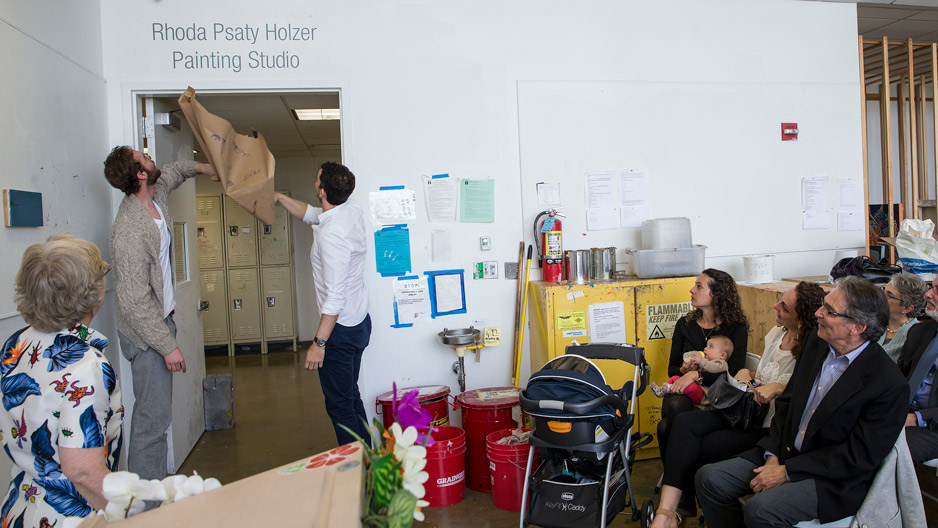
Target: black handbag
[
  {"x": 864, "y": 267},
  {"x": 738, "y": 407}
]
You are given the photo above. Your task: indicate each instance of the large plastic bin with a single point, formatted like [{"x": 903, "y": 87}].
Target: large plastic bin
[
  {"x": 666, "y": 233},
  {"x": 678, "y": 262}
]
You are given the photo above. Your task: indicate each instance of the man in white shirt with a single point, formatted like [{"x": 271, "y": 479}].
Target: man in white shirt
[
  {"x": 338, "y": 259},
  {"x": 141, "y": 238}
]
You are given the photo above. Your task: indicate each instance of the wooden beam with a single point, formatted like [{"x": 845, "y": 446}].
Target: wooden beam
[
  {"x": 921, "y": 144},
  {"x": 934, "y": 96},
  {"x": 913, "y": 139},
  {"x": 866, "y": 157},
  {"x": 903, "y": 146},
  {"x": 886, "y": 127}
]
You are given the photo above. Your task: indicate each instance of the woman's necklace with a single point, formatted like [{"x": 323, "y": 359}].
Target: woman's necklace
[
  {"x": 892, "y": 330},
  {"x": 707, "y": 333}
]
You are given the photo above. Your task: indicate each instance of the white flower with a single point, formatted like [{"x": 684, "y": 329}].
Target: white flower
[
  {"x": 418, "y": 515},
  {"x": 414, "y": 476},
  {"x": 403, "y": 440},
  {"x": 179, "y": 487},
  {"x": 125, "y": 492}
]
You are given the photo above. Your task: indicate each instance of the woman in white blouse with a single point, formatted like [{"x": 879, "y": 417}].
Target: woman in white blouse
[
  {"x": 701, "y": 438},
  {"x": 906, "y": 295}
]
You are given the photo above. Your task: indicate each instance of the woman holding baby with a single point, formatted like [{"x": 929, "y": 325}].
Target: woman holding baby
[
  {"x": 716, "y": 312},
  {"x": 703, "y": 437}
]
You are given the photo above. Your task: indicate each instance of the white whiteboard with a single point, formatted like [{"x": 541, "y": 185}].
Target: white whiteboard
[{"x": 713, "y": 152}]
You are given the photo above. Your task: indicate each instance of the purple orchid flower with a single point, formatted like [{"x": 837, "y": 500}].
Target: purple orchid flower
[{"x": 408, "y": 412}]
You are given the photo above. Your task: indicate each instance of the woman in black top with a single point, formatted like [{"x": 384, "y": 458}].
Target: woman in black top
[{"x": 717, "y": 311}]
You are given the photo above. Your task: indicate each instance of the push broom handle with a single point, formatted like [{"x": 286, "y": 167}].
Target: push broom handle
[
  {"x": 524, "y": 310},
  {"x": 518, "y": 301}
]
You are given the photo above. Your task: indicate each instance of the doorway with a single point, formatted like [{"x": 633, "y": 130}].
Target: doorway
[{"x": 298, "y": 146}]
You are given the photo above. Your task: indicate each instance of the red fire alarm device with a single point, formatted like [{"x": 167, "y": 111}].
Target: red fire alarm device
[{"x": 789, "y": 131}]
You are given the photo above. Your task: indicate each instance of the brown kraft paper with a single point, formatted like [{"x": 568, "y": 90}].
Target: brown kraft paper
[{"x": 243, "y": 164}]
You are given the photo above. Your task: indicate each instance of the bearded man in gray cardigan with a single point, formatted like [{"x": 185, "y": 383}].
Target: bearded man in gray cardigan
[{"x": 141, "y": 238}]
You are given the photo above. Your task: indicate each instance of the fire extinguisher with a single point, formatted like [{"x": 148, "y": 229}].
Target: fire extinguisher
[{"x": 548, "y": 234}]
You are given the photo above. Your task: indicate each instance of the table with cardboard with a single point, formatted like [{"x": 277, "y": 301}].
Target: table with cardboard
[{"x": 323, "y": 491}]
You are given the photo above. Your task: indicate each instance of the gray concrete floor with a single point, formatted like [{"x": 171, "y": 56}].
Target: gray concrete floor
[{"x": 280, "y": 417}]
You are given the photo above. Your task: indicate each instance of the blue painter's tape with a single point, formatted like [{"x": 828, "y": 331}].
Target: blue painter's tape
[
  {"x": 391, "y": 188},
  {"x": 393, "y": 227},
  {"x": 397, "y": 323},
  {"x": 438, "y": 176},
  {"x": 444, "y": 272},
  {"x": 393, "y": 274},
  {"x": 409, "y": 277}
]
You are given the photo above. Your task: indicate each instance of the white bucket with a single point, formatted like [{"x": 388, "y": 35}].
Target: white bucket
[{"x": 759, "y": 268}]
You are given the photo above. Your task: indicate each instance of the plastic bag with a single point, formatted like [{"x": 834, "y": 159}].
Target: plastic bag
[{"x": 916, "y": 247}]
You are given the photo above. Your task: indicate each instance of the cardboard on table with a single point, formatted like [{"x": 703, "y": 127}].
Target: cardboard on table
[
  {"x": 323, "y": 491},
  {"x": 244, "y": 164}
]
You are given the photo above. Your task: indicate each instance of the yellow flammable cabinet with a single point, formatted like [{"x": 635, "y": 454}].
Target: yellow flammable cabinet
[{"x": 560, "y": 311}]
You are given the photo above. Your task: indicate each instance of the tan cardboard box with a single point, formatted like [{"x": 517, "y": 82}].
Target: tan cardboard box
[{"x": 323, "y": 491}]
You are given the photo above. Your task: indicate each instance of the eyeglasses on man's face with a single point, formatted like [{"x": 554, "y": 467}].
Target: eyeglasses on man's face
[{"x": 825, "y": 309}]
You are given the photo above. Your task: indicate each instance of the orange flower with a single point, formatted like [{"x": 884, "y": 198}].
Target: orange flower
[{"x": 16, "y": 352}]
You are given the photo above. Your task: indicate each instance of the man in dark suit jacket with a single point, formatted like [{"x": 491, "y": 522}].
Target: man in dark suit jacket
[
  {"x": 835, "y": 423},
  {"x": 918, "y": 362}
]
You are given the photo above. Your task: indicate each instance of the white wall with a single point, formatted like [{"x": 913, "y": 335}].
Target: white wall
[
  {"x": 430, "y": 88},
  {"x": 53, "y": 137}
]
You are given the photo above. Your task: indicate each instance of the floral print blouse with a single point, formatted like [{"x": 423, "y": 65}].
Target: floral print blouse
[{"x": 58, "y": 390}]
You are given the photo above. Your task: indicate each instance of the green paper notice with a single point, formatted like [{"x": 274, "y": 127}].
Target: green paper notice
[{"x": 477, "y": 201}]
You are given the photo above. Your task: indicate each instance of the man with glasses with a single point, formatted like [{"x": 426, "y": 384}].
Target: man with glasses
[
  {"x": 838, "y": 418},
  {"x": 140, "y": 241},
  {"x": 919, "y": 362}
]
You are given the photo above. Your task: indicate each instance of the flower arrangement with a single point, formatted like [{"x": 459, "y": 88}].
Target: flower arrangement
[{"x": 395, "y": 461}]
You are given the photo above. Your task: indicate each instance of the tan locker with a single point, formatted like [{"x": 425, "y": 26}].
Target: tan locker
[
  {"x": 277, "y": 302},
  {"x": 240, "y": 235},
  {"x": 215, "y": 315},
  {"x": 275, "y": 240},
  {"x": 244, "y": 305},
  {"x": 210, "y": 237}
]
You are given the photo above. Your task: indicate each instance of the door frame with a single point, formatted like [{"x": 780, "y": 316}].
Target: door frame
[{"x": 132, "y": 94}]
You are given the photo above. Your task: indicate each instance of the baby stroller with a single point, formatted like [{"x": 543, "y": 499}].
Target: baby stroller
[{"x": 584, "y": 432}]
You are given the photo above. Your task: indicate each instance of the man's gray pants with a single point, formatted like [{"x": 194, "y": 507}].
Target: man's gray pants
[
  {"x": 720, "y": 486},
  {"x": 153, "y": 409}
]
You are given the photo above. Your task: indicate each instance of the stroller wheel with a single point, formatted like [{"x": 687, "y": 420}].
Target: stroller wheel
[{"x": 648, "y": 514}]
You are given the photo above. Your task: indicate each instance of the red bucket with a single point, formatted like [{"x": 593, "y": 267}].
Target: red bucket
[
  {"x": 484, "y": 411},
  {"x": 446, "y": 465},
  {"x": 430, "y": 397},
  {"x": 507, "y": 465}
]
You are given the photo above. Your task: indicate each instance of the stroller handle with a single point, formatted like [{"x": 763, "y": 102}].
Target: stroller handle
[
  {"x": 578, "y": 409},
  {"x": 632, "y": 355},
  {"x": 628, "y": 353}
]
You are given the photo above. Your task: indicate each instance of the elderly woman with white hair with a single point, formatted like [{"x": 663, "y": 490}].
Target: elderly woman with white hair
[
  {"x": 906, "y": 295},
  {"x": 62, "y": 415}
]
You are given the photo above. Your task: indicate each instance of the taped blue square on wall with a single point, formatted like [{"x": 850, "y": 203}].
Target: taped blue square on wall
[
  {"x": 22, "y": 208},
  {"x": 447, "y": 292}
]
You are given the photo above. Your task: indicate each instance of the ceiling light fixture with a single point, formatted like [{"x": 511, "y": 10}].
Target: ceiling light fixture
[{"x": 316, "y": 114}]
